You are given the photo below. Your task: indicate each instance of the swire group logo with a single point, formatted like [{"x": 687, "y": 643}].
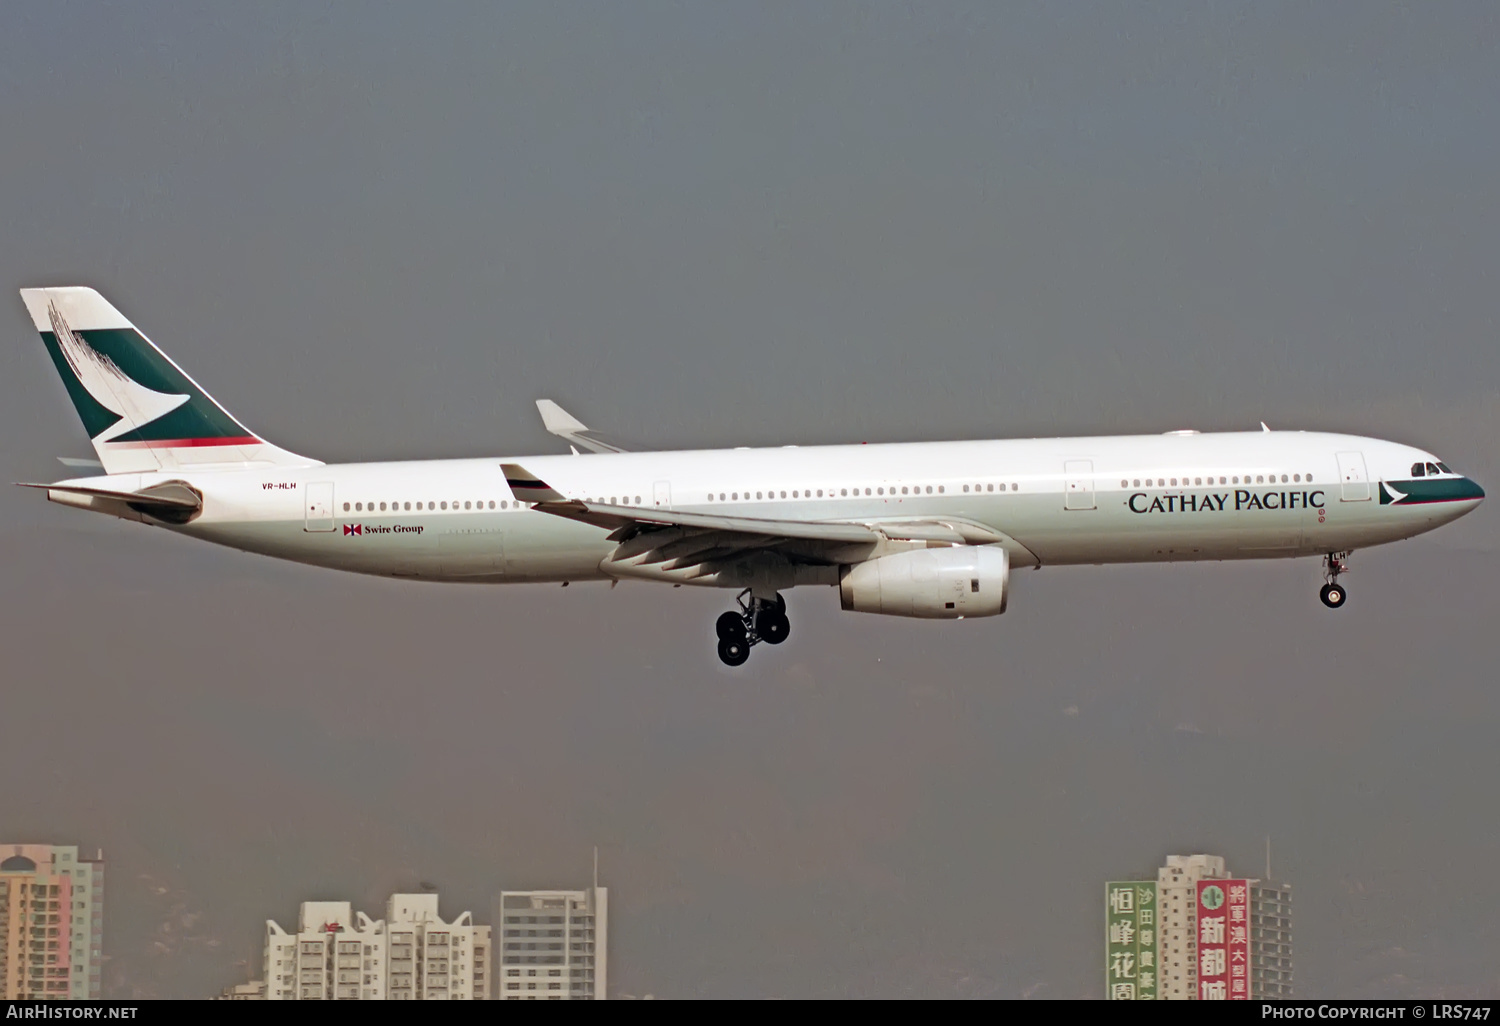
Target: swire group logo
[{"x": 368, "y": 529}]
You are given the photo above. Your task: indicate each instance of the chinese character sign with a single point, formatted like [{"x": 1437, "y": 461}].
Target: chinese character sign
[
  {"x": 1223, "y": 940},
  {"x": 1130, "y": 941}
]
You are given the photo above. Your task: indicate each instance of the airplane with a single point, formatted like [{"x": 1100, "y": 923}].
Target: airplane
[{"x": 927, "y": 529}]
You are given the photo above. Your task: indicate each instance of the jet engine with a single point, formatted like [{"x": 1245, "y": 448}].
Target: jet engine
[{"x": 935, "y": 584}]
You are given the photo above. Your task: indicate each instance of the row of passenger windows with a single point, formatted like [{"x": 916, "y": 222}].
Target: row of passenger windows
[
  {"x": 844, "y": 493},
  {"x": 1161, "y": 482},
  {"x": 396, "y": 507}
]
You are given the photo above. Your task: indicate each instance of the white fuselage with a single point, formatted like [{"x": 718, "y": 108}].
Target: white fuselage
[{"x": 1144, "y": 498}]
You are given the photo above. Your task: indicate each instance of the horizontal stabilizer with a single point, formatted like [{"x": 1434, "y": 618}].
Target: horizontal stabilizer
[{"x": 172, "y": 501}]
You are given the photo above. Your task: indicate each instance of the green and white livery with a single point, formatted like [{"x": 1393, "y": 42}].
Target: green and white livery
[{"x": 929, "y": 529}]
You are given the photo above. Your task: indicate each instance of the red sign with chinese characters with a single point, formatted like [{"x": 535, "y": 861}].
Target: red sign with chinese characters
[{"x": 1223, "y": 940}]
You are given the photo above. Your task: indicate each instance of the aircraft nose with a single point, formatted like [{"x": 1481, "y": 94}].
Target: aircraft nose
[{"x": 1475, "y": 492}]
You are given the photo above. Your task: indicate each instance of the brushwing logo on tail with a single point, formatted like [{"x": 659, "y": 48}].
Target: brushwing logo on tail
[{"x": 134, "y": 403}]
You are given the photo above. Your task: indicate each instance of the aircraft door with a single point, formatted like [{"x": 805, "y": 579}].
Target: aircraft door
[
  {"x": 1078, "y": 484},
  {"x": 319, "y": 512},
  {"x": 663, "y": 494},
  {"x": 1354, "y": 480}
]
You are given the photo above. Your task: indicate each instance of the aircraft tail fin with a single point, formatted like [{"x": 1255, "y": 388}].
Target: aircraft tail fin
[{"x": 142, "y": 411}]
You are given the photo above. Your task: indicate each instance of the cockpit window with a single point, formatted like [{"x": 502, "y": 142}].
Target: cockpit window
[
  {"x": 1445, "y": 468},
  {"x": 1417, "y": 470},
  {"x": 1433, "y": 470}
]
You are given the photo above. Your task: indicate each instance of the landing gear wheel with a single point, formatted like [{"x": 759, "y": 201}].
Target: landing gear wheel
[
  {"x": 1333, "y": 593},
  {"x": 772, "y": 625},
  {"x": 734, "y": 651},
  {"x": 730, "y": 627}
]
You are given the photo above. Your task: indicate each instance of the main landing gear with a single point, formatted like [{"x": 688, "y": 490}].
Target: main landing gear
[
  {"x": 758, "y": 620},
  {"x": 1333, "y": 593}
]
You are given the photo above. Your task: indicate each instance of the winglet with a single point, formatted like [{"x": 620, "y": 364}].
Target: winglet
[
  {"x": 569, "y": 428},
  {"x": 557, "y": 420},
  {"x": 527, "y": 487}
]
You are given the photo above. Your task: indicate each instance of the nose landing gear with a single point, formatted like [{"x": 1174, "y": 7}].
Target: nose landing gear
[
  {"x": 1333, "y": 593},
  {"x": 758, "y": 620}
]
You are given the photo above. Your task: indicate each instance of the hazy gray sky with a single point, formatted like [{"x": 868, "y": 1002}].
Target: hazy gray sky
[{"x": 378, "y": 231}]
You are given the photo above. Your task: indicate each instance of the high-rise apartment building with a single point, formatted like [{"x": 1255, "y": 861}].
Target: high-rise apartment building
[
  {"x": 1195, "y": 933},
  {"x": 553, "y": 945},
  {"x": 1271, "y": 939},
  {"x": 1177, "y": 886},
  {"x": 51, "y": 922},
  {"x": 411, "y": 954}
]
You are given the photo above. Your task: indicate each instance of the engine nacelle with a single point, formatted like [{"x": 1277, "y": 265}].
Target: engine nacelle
[{"x": 936, "y": 584}]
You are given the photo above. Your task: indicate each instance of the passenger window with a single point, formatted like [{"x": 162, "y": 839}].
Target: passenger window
[
  {"x": 1197, "y": 480},
  {"x": 992, "y": 488},
  {"x": 503, "y": 504},
  {"x": 445, "y": 505},
  {"x": 1260, "y": 479},
  {"x": 940, "y": 489},
  {"x": 820, "y": 493},
  {"x": 843, "y": 491},
  {"x": 359, "y": 506},
  {"x": 721, "y": 496},
  {"x": 346, "y": 507},
  {"x": 1015, "y": 487}
]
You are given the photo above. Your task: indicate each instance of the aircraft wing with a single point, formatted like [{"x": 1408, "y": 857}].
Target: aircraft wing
[
  {"x": 680, "y": 539},
  {"x": 564, "y": 425}
]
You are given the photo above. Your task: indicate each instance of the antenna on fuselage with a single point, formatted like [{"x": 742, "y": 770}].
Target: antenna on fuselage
[{"x": 1264, "y": 428}]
